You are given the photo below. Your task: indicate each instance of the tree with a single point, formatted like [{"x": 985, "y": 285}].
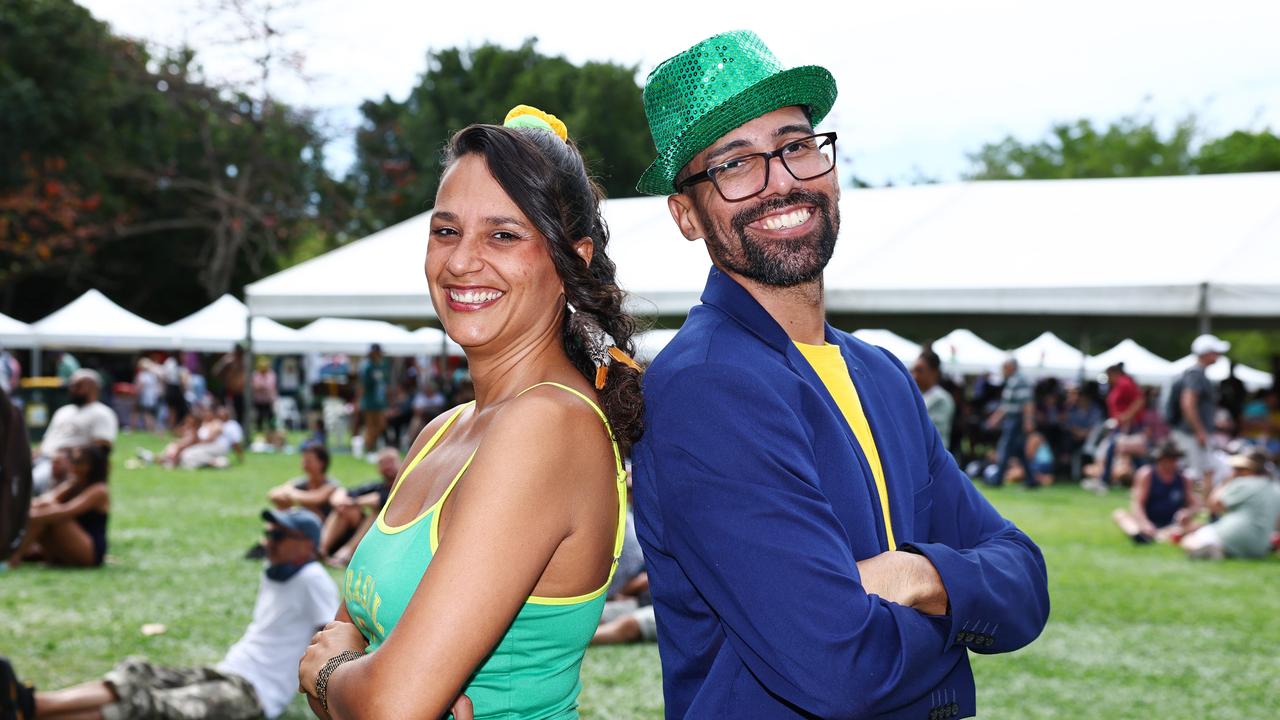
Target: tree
[
  {"x": 1241, "y": 151},
  {"x": 1130, "y": 147},
  {"x": 399, "y": 142},
  {"x": 128, "y": 171}
]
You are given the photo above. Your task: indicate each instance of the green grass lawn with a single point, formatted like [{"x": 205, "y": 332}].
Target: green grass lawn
[{"x": 1135, "y": 632}]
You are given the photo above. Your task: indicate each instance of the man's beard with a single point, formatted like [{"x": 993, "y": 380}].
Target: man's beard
[{"x": 778, "y": 263}]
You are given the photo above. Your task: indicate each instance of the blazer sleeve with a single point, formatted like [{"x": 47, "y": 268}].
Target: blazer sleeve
[
  {"x": 741, "y": 513},
  {"x": 995, "y": 576}
]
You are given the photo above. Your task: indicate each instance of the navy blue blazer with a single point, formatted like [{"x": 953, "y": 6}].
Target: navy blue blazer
[{"x": 753, "y": 503}]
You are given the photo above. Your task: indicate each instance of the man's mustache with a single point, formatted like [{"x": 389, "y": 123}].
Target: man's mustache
[{"x": 747, "y": 216}]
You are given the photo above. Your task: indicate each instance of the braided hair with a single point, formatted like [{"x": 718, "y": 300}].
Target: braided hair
[{"x": 547, "y": 179}]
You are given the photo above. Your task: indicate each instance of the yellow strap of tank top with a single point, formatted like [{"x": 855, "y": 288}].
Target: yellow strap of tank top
[{"x": 620, "y": 479}]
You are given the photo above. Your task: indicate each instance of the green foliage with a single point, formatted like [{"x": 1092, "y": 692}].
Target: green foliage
[
  {"x": 1130, "y": 147},
  {"x": 1132, "y": 630},
  {"x": 1241, "y": 151},
  {"x": 398, "y": 146},
  {"x": 125, "y": 170}
]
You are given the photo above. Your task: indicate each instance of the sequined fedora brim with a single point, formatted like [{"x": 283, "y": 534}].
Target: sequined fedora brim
[{"x": 698, "y": 96}]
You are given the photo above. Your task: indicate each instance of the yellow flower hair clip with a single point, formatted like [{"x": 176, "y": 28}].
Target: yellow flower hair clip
[{"x": 532, "y": 117}]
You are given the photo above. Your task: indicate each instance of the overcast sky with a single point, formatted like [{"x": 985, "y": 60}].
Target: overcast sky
[{"x": 922, "y": 83}]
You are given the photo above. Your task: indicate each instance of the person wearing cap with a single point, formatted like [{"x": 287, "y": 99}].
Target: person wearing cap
[
  {"x": 1193, "y": 400},
  {"x": 83, "y": 422},
  {"x": 1162, "y": 501},
  {"x": 258, "y": 675},
  {"x": 1248, "y": 508},
  {"x": 813, "y": 549}
]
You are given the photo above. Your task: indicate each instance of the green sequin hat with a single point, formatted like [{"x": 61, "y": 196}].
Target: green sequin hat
[{"x": 696, "y": 97}]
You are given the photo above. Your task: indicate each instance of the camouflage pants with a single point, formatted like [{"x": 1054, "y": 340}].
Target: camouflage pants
[{"x": 150, "y": 692}]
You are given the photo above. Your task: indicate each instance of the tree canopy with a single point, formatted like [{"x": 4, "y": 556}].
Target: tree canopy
[{"x": 398, "y": 144}]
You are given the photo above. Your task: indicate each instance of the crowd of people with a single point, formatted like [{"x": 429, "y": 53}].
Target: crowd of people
[{"x": 786, "y": 574}]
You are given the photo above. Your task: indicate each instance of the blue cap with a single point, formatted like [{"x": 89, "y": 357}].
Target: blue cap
[{"x": 304, "y": 521}]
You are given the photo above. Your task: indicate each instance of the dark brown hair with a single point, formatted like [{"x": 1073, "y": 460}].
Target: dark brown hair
[{"x": 548, "y": 180}]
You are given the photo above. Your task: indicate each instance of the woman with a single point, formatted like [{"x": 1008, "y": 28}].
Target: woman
[
  {"x": 513, "y": 501},
  {"x": 68, "y": 525}
]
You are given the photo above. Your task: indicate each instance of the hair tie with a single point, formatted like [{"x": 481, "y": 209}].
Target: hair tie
[
  {"x": 527, "y": 116},
  {"x": 601, "y": 347}
]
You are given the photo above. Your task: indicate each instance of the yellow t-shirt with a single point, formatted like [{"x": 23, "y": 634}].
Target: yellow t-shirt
[{"x": 830, "y": 366}]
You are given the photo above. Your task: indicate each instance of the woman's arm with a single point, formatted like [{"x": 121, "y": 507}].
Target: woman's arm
[
  {"x": 537, "y": 454},
  {"x": 93, "y": 497}
]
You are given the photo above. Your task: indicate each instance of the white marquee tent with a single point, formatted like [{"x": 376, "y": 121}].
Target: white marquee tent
[
  {"x": 1252, "y": 378},
  {"x": 220, "y": 325},
  {"x": 1175, "y": 246},
  {"x": 93, "y": 322},
  {"x": 1049, "y": 356},
  {"x": 1140, "y": 363},
  {"x": 353, "y": 337},
  {"x": 15, "y": 333},
  {"x": 898, "y": 346},
  {"x": 965, "y": 353}
]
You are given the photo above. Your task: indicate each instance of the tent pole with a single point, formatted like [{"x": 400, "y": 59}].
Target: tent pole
[
  {"x": 1085, "y": 353},
  {"x": 35, "y": 361},
  {"x": 247, "y": 420},
  {"x": 1203, "y": 309}
]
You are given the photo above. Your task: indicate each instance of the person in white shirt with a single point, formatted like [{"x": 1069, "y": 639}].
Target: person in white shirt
[
  {"x": 83, "y": 422},
  {"x": 927, "y": 371},
  {"x": 257, "y": 677}
]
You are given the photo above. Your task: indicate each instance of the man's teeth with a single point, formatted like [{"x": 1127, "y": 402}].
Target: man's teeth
[
  {"x": 474, "y": 297},
  {"x": 786, "y": 220}
]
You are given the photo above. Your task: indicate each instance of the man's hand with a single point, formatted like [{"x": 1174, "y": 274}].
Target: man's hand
[{"x": 906, "y": 579}]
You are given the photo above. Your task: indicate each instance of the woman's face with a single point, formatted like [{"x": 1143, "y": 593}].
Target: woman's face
[{"x": 490, "y": 272}]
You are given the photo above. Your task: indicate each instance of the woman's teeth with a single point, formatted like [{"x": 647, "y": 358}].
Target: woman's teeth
[{"x": 474, "y": 297}]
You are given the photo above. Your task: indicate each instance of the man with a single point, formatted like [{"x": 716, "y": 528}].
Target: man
[
  {"x": 812, "y": 549},
  {"x": 355, "y": 510},
  {"x": 1016, "y": 418},
  {"x": 84, "y": 421},
  {"x": 1124, "y": 402},
  {"x": 1194, "y": 400},
  {"x": 233, "y": 372},
  {"x": 375, "y": 377},
  {"x": 1248, "y": 506},
  {"x": 259, "y": 674},
  {"x": 1162, "y": 501},
  {"x": 927, "y": 371}
]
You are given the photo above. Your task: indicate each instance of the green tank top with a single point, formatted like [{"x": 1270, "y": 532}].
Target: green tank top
[{"x": 533, "y": 673}]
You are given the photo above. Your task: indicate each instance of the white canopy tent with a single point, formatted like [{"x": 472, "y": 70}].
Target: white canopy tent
[
  {"x": 1140, "y": 363},
  {"x": 1174, "y": 246},
  {"x": 93, "y": 322},
  {"x": 900, "y": 347},
  {"x": 964, "y": 353},
  {"x": 651, "y": 342},
  {"x": 353, "y": 337},
  {"x": 430, "y": 340},
  {"x": 15, "y": 333},
  {"x": 1252, "y": 378},
  {"x": 220, "y": 325},
  {"x": 1049, "y": 356}
]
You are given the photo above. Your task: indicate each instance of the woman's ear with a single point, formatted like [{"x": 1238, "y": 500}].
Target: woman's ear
[{"x": 585, "y": 249}]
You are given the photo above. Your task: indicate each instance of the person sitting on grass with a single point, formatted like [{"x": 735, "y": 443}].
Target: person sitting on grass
[
  {"x": 1248, "y": 509},
  {"x": 355, "y": 510},
  {"x": 257, "y": 677},
  {"x": 1162, "y": 501},
  {"x": 218, "y": 435},
  {"x": 313, "y": 490},
  {"x": 68, "y": 524}
]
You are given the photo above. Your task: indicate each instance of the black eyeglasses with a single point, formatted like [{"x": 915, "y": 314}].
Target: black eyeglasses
[{"x": 741, "y": 177}]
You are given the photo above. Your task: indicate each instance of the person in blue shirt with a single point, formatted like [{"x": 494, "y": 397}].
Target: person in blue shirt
[{"x": 813, "y": 550}]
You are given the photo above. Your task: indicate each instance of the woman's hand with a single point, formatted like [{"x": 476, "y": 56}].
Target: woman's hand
[{"x": 336, "y": 637}]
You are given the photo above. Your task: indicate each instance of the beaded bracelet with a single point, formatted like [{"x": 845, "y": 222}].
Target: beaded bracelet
[{"x": 322, "y": 677}]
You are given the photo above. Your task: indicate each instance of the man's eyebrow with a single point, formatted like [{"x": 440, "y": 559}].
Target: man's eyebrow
[
  {"x": 796, "y": 128},
  {"x": 726, "y": 149},
  {"x": 739, "y": 144}
]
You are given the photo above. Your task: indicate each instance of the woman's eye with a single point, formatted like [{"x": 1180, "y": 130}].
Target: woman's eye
[
  {"x": 444, "y": 231},
  {"x": 504, "y": 235}
]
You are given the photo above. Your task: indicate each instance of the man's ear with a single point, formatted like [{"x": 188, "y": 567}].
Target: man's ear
[
  {"x": 681, "y": 207},
  {"x": 585, "y": 248}
]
